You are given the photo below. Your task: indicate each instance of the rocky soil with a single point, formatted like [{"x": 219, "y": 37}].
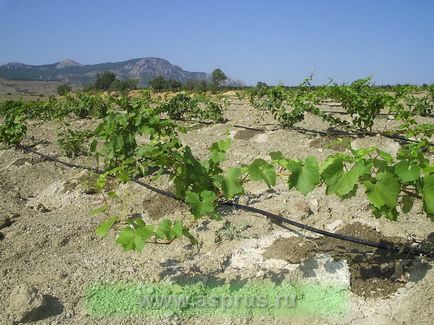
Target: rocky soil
[{"x": 50, "y": 255}]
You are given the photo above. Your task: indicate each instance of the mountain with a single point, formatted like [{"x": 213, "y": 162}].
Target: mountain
[{"x": 143, "y": 70}]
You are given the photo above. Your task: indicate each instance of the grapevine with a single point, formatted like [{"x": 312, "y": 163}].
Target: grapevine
[{"x": 136, "y": 138}]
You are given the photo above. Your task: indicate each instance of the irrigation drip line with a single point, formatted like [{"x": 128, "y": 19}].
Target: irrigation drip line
[
  {"x": 342, "y": 133},
  {"x": 390, "y": 247},
  {"x": 378, "y": 114},
  {"x": 390, "y": 136},
  {"x": 277, "y": 219},
  {"x": 95, "y": 170},
  {"x": 304, "y": 131},
  {"x": 233, "y": 125},
  {"x": 250, "y": 128}
]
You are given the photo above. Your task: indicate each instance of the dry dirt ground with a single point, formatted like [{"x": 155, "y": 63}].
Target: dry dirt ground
[
  {"x": 48, "y": 236},
  {"x": 27, "y": 90}
]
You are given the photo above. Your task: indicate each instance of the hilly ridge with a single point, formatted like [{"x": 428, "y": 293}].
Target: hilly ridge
[{"x": 142, "y": 69}]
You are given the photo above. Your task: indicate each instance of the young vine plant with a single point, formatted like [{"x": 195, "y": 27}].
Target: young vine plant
[
  {"x": 135, "y": 139},
  {"x": 391, "y": 183}
]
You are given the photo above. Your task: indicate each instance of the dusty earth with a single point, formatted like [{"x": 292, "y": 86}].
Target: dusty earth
[
  {"x": 50, "y": 255},
  {"x": 27, "y": 90}
]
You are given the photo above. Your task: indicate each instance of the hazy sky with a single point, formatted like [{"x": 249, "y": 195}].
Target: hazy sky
[{"x": 272, "y": 41}]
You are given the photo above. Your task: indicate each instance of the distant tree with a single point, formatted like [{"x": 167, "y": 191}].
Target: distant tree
[
  {"x": 131, "y": 83},
  {"x": 201, "y": 86},
  {"x": 161, "y": 84},
  {"x": 189, "y": 84},
  {"x": 158, "y": 83},
  {"x": 174, "y": 85},
  {"x": 104, "y": 80},
  {"x": 63, "y": 89},
  {"x": 88, "y": 87},
  {"x": 196, "y": 85},
  {"x": 123, "y": 85},
  {"x": 218, "y": 77}
]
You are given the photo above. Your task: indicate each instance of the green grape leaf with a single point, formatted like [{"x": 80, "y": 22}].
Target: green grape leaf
[
  {"x": 347, "y": 181},
  {"x": 101, "y": 181},
  {"x": 389, "y": 213},
  {"x": 186, "y": 233},
  {"x": 177, "y": 229},
  {"x": 218, "y": 150},
  {"x": 93, "y": 145},
  {"x": 231, "y": 184},
  {"x": 145, "y": 232},
  {"x": 163, "y": 229},
  {"x": 104, "y": 227},
  {"x": 113, "y": 195},
  {"x": 428, "y": 194},
  {"x": 99, "y": 210},
  {"x": 122, "y": 175},
  {"x": 126, "y": 238},
  {"x": 224, "y": 145},
  {"x": 384, "y": 192},
  {"x": 406, "y": 171},
  {"x": 202, "y": 204},
  {"x": 119, "y": 142},
  {"x": 217, "y": 156},
  {"x": 385, "y": 155},
  {"x": 276, "y": 155},
  {"x": 261, "y": 170},
  {"x": 362, "y": 152},
  {"x": 381, "y": 165},
  {"x": 139, "y": 243},
  {"x": 331, "y": 171},
  {"x": 134, "y": 236},
  {"x": 304, "y": 177},
  {"x": 407, "y": 203}
]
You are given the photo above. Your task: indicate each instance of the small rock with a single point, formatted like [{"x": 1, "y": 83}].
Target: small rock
[
  {"x": 335, "y": 225},
  {"x": 155, "y": 278},
  {"x": 61, "y": 275},
  {"x": 303, "y": 207},
  {"x": 62, "y": 242},
  {"x": 260, "y": 274},
  {"x": 130, "y": 269},
  {"x": 243, "y": 200},
  {"x": 41, "y": 208},
  {"x": 314, "y": 205},
  {"x": 261, "y": 138},
  {"x": 26, "y": 303},
  {"x": 36, "y": 206}
]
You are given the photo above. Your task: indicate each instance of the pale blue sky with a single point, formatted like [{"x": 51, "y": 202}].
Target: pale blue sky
[{"x": 272, "y": 41}]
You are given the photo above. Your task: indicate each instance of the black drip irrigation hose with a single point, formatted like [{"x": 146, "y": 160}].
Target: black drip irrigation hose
[
  {"x": 325, "y": 133},
  {"x": 378, "y": 114},
  {"x": 95, "y": 170},
  {"x": 277, "y": 219},
  {"x": 389, "y": 247},
  {"x": 372, "y": 134},
  {"x": 342, "y": 133}
]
